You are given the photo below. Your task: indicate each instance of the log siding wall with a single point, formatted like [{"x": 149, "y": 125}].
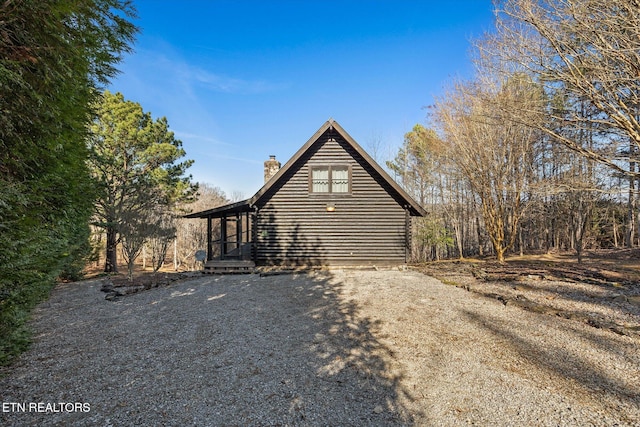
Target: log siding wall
[{"x": 368, "y": 226}]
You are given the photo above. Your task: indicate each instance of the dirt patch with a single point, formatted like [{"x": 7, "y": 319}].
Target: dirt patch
[
  {"x": 601, "y": 292},
  {"x": 119, "y": 285}
]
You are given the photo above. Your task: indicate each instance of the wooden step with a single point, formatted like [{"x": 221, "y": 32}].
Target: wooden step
[{"x": 229, "y": 266}]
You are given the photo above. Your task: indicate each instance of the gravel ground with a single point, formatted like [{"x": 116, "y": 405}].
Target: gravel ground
[{"x": 330, "y": 348}]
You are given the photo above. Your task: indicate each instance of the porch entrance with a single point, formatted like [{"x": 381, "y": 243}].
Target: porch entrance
[
  {"x": 230, "y": 238},
  {"x": 235, "y": 242}
]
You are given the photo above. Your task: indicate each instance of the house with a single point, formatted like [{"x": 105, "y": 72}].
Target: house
[{"x": 331, "y": 204}]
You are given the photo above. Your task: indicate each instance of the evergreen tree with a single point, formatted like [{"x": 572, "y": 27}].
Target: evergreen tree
[
  {"x": 54, "y": 55},
  {"x": 134, "y": 160}
]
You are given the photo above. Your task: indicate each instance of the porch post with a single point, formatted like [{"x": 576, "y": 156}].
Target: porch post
[
  {"x": 209, "y": 242},
  {"x": 254, "y": 234},
  {"x": 248, "y": 227},
  {"x": 239, "y": 234},
  {"x": 248, "y": 232},
  {"x": 223, "y": 236}
]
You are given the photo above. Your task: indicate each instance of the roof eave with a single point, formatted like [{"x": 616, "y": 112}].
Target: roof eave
[
  {"x": 241, "y": 206},
  {"x": 414, "y": 207},
  {"x": 283, "y": 170}
]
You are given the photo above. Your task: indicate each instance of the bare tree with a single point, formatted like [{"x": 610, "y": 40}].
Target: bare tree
[
  {"x": 554, "y": 105},
  {"x": 154, "y": 228},
  {"x": 417, "y": 166},
  {"x": 375, "y": 145},
  {"x": 191, "y": 234},
  {"x": 583, "y": 51},
  {"x": 236, "y": 196},
  {"x": 491, "y": 153},
  {"x": 163, "y": 233},
  {"x": 134, "y": 231}
]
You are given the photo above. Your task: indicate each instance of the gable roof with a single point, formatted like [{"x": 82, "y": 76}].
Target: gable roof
[{"x": 414, "y": 208}]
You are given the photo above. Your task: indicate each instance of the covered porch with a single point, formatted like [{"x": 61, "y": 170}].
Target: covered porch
[{"x": 233, "y": 251}]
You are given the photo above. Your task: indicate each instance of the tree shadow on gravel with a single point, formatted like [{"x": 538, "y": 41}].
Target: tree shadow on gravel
[
  {"x": 571, "y": 368},
  {"x": 213, "y": 351},
  {"x": 307, "y": 357}
]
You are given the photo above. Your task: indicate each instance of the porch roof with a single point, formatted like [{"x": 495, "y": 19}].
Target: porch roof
[{"x": 225, "y": 210}]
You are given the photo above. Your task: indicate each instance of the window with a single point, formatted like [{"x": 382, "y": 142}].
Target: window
[
  {"x": 320, "y": 180},
  {"x": 340, "y": 179},
  {"x": 330, "y": 179}
]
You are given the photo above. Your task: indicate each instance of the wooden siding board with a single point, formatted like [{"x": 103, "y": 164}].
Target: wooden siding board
[{"x": 367, "y": 227}]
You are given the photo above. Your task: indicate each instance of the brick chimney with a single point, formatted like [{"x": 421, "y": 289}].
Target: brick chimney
[{"x": 271, "y": 167}]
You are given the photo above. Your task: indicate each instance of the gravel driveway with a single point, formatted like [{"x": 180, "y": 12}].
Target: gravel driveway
[{"x": 333, "y": 348}]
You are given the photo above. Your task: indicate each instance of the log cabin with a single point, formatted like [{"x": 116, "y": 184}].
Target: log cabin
[{"x": 331, "y": 204}]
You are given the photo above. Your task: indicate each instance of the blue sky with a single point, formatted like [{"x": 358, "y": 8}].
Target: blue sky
[{"x": 241, "y": 80}]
